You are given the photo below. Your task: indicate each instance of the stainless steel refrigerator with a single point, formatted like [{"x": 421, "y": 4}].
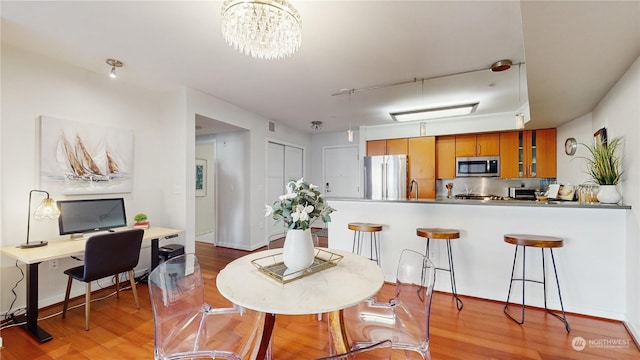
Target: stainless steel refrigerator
[{"x": 385, "y": 177}]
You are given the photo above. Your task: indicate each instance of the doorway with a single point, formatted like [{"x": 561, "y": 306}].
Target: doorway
[{"x": 219, "y": 146}]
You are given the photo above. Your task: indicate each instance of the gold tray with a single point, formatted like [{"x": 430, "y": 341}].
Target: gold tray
[{"x": 273, "y": 266}]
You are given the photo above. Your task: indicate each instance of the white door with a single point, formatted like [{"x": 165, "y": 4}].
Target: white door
[
  {"x": 341, "y": 171},
  {"x": 292, "y": 163},
  {"x": 275, "y": 180}
]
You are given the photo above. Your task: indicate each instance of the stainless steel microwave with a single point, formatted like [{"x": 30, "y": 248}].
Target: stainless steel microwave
[{"x": 478, "y": 166}]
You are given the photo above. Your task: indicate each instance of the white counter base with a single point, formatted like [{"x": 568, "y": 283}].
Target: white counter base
[{"x": 591, "y": 265}]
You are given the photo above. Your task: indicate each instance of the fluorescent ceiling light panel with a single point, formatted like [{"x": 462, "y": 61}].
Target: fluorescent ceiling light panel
[{"x": 434, "y": 113}]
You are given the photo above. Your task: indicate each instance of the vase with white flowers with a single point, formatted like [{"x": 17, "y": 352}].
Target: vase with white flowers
[{"x": 300, "y": 207}]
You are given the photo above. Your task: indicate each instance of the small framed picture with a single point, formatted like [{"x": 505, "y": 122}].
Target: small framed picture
[
  {"x": 201, "y": 177},
  {"x": 600, "y": 137}
]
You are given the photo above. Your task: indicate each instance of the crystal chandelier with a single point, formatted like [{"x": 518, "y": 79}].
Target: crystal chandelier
[{"x": 264, "y": 29}]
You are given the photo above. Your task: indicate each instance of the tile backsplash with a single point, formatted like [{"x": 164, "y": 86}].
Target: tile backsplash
[{"x": 488, "y": 185}]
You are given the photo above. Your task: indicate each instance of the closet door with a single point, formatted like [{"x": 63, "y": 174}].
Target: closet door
[
  {"x": 284, "y": 163},
  {"x": 275, "y": 181},
  {"x": 292, "y": 163}
]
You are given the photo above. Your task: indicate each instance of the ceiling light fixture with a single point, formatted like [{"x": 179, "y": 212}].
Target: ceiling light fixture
[
  {"x": 501, "y": 65},
  {"x": 264, "y": 29},
  {"x": 495, "y": 67},
  {"x": 114, "y": 64},
  {"x": 434, "y": 113},
  {"x": 519, "y": 121},
  {"x": 316, "y": 125},
  {"x": 519, "y": 115}
]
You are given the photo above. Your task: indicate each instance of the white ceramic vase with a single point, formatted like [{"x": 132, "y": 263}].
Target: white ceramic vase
[
  {"x": 608, "y": 194},
  {"x": 298, "y": 251}
]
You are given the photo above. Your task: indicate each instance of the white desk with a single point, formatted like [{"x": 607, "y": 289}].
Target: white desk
[
  {"x": 354, "y": 279},
  {"x": 60, "y": 248}
]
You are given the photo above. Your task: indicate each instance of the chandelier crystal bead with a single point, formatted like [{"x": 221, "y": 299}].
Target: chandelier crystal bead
[{"x": 264, "y": 29}]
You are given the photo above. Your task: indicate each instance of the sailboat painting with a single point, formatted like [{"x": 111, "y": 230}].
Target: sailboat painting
[{"x": 82, "y": 158}]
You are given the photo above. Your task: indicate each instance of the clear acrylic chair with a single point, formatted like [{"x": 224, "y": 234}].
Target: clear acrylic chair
[
  {"x": 404, "y": 319},
  {"x": 378, "y": 351},
  {"x": 187, "y": 327}
]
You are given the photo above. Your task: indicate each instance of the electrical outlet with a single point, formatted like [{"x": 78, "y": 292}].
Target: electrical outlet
[{"x": 53, "y": 264}]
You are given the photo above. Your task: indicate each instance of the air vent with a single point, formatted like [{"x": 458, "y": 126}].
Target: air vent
[{"x": 272, "y": 126}]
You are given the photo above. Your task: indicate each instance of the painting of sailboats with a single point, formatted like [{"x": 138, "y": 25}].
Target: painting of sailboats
[{"x": 83, "y": 158}]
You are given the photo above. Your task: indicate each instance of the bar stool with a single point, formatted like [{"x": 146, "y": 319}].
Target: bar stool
[
  {"x": 374, "y": 239},
  {"x": 542, "y": 242},
  {"x": 448, "y": 235}
]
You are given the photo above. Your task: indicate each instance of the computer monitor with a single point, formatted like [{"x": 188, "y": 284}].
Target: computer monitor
[{"x": 83, "y": 216}]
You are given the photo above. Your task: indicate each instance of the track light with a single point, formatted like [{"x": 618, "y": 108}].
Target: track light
[
  {"x": 519, "y": 121},
  {"x": 114, "y": 64}
]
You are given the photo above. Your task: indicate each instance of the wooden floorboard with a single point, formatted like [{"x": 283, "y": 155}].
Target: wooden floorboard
[{"x": 479, "y": 331}]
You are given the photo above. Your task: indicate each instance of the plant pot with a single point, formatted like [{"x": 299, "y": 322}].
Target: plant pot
[
  {"x": 141, "y": 224},
  {"x": 298, "y": 251},
  {"x": 608, "y": 194}
]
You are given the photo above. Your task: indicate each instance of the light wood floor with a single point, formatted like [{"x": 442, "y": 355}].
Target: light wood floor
[{"x": 479, "y": 331}]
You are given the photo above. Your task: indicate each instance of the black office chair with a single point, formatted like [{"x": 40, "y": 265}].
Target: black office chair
[{"x": 106, "y": 255}]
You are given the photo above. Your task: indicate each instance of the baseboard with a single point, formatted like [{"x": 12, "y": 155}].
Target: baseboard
[
  {"x": 206, "y": 238},
  {"x": 635, "y": 334}
]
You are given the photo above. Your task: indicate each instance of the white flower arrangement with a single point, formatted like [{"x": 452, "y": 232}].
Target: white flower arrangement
[{"x": 300, "y": 207}]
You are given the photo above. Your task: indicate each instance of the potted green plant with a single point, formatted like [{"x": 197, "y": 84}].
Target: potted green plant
[
  {"x": 141, "y": 221},
  {"x": 604, "y": 167}
]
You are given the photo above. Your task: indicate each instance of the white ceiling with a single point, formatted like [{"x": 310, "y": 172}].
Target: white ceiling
[{"x": 575, "y": 51}]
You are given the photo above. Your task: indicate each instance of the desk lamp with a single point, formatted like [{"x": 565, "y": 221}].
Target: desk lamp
[{"x": 47, "y": 210}]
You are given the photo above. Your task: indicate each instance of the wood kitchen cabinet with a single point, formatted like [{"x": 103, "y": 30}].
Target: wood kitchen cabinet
[
  {"x": 528, "y": 154},
  {"x": 388, "y": 147},
  {"x": 445, "y": 157},
  {"x": 478, "y": 145},
  {"x": 422, "y": 166},
  {"x": 376, "y": 147}
]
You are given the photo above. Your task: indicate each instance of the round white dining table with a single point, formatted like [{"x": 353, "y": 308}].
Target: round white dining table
[{"x": 354, "y": 279}]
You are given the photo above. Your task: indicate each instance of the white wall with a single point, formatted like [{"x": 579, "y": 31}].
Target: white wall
[
  {"x": 573, "y": 169},
  {"x": 619, "y": 112},
  {"x": 205, "y": 205},
  {"x": 32, "y": 86}
]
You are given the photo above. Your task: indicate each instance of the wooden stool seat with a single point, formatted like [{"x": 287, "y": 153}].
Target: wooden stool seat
[
  {"x": 543, "y": 243},
  {"x": 447, "y": 235},
  {"x": 364, "y": 227},
  {"x": 538, "y": 241},
  {"x": 374, "y": 241},
  {"x": 438, "y": 233}
]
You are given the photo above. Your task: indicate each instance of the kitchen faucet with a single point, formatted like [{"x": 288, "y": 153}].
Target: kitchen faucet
[{"x": 413, "y": 181}]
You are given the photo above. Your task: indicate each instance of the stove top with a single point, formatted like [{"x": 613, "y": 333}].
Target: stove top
[{"x": 480, "y": 197}]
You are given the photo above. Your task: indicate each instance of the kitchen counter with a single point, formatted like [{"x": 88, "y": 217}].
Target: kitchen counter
[
  {"x": 591, "y": 265},
  {"x": 510, "y": 202}
]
